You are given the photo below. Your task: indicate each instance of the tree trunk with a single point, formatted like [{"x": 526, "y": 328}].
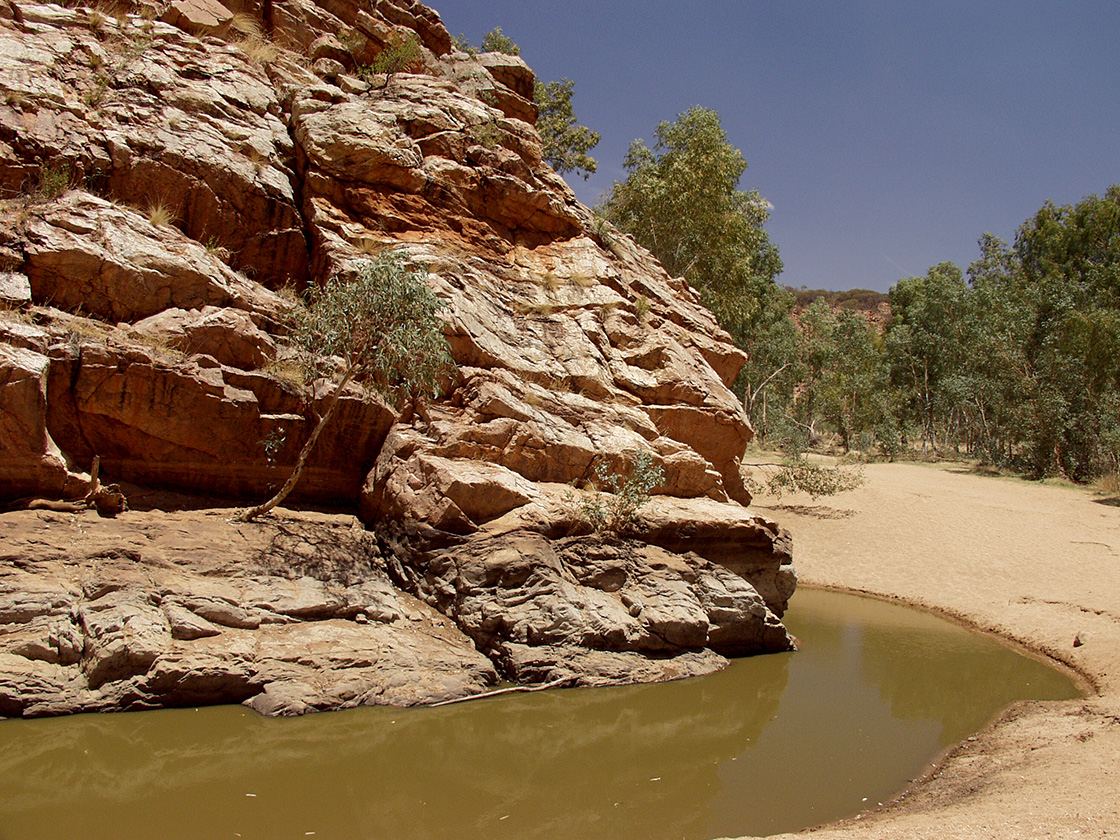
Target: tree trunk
[{"x": 301, "y": 462}]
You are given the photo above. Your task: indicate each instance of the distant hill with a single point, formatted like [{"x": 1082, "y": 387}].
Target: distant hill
[{"x": 876, "y": 306}]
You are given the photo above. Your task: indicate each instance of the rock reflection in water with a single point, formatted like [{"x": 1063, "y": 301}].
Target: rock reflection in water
[
  {"x": 635, "y": 761},
  {"x": 961, "y": 668},
  {"x": 774, "y": 743}
]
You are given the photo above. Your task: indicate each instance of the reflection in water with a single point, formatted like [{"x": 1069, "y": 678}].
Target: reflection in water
[{"x": 774, "y": 743}]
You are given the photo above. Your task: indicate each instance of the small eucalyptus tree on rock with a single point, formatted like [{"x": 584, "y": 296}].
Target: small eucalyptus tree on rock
[
  {"x": 564, "y": 142},
  {"x": 384, "y": 325}
]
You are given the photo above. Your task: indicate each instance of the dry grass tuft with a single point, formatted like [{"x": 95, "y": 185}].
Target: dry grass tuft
[
  {"x": 258, "y": 160},
  {"x": 246, "y": 25},
  {"x": 259, "y": 50},
  {"x": 19, "y": 316},
  {"x": 77, "y": 329},
  {"x": 535, "y": 308},
  {"x": 290, "y": 371},
  {"x": 252, "y": 40},
  {"x": 94, "y": 95},
  {"x": 551, "y": 281},
  {"x": 369, "y": 245},
  {"x": 95, "y": 20},
  {"x": 290, "y": 294},
  {"x": 1108, "y": 484},
  {"x": 160, "y": 345},
  {"x": 159, "y": 214}
]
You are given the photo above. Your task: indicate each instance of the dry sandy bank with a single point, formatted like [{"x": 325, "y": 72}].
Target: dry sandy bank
[{"x": 1036, "y": 564}]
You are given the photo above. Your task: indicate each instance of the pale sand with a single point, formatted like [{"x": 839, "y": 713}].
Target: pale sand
[{"x": 1032, "y": 563}]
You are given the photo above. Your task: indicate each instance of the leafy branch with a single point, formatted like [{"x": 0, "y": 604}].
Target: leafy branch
[{"x": 384, "y": 325}]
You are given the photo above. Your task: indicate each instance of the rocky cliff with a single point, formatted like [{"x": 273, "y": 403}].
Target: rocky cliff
[{"x": 172, "y": 177}]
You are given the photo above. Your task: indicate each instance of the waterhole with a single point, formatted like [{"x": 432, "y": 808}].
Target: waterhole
[{"x": 772, "y": 744}]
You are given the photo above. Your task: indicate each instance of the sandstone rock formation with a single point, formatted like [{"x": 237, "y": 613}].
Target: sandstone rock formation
[
  {"x": 185, "y": 609},
  {"x": 168, "y": 186}
]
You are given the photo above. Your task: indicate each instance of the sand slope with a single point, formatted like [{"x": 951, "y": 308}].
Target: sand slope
[{"x": 1033, "y": 563}]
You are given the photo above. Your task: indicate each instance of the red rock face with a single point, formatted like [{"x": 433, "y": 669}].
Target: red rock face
[
  {"x": 164, "y": 195},
  {"x": 32, "y": 464}
]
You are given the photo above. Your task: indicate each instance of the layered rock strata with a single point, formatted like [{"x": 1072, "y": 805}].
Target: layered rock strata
[
  {"x": 156, "y": 609},
  {"x": 172, "y": 181}
]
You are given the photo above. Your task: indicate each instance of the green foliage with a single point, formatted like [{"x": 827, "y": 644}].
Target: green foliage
[
  {"x": 928, "y": 342},
  {"x": 681, "y": 201},
  {"x": 1052, "y": 305},
  {"x": 488, "y": 134},
  {"x": 854, "y": 390},
  {"x": 54, "y": 179},
  {"x": 493, "y": 41},
  {"x": 797, "y": 474},
  {"x": 400, "y": 54},
  {"x": 272, "y": 443},
  {"x": 863, "y": 300},
  {"x": 768, "y": 380},
  {"x": 641, "y": 308},
  {"x": 461, "y": 43},
  {"x": 1021, "y": 366},
  {"x": 617, "y": 498},
  {"x": 565, "y": 143},
  {"x": 384, "y": 324},
  {"x": 496, "y": 41}
]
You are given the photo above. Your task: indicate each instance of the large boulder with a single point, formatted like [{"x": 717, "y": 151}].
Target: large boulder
[
  {"x": 32, "y": 461},
  {"x": 83, "y": 254},
  {"x": 226, "y": 334},
  {"x": 166, "y": 420},
  {"x": 513, "y": 592}
]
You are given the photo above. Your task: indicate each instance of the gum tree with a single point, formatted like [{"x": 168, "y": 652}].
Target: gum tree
[
  {"x": 384, "y": 325},
  {"x": 682, "y": 201},
  {"x": 564, "y": 142}
]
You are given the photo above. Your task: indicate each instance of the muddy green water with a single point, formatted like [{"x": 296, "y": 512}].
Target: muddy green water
[{"x": 774, "y": 743}]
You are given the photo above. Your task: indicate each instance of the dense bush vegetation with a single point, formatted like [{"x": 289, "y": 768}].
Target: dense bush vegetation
[
  {"x": 1020, "y": 363},
  {"x": 1015, "y": 362},
  {"x": 864, "y": 300}
]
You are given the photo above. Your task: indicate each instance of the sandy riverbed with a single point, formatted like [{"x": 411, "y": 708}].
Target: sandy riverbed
[{"x": 1033, "y": 563}]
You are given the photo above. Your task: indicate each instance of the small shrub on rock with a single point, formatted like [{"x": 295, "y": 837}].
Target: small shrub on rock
[
  {"x": 54, "y": 179},
  {"x": 384, "y": 325},
  {"x": 617, "y": 498}
]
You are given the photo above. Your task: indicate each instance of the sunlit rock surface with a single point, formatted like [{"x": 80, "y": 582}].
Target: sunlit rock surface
[{"x": 169, "y": 186}]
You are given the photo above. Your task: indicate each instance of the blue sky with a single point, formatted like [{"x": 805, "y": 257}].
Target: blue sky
[{"x": 887, "y": 135}]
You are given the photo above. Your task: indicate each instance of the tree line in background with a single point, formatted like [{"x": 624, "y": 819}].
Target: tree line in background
[{"x": 1015, "y": 362}]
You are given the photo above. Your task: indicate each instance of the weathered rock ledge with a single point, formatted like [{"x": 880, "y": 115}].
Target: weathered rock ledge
[{"x": 300, "y": 613}]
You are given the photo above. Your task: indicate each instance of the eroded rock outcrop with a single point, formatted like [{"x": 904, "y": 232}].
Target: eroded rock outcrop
[
  {"x": 170, "y": 185},
  {"x": 182, "y": 609}
]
